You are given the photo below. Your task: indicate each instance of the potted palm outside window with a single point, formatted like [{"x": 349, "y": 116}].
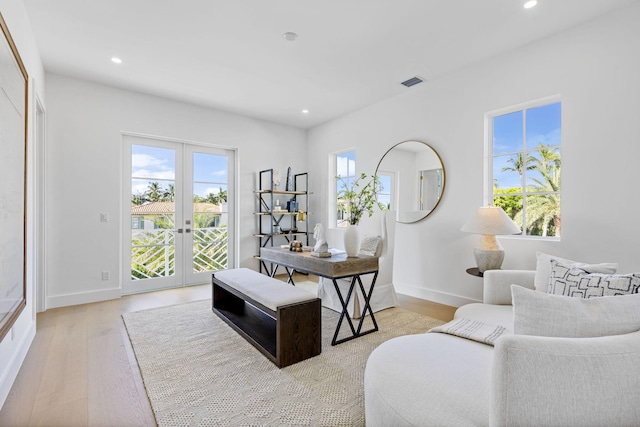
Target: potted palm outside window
[{"x": 354, "y": 199}]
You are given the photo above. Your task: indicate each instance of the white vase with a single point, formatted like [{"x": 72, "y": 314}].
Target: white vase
[{"x": 352, "y": 240}]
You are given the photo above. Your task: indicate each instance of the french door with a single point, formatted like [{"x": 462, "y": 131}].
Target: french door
[{"x": 178, "y": 220}]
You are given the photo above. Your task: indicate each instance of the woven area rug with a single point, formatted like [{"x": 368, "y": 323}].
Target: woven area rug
[{"x": 199, "y": 372}]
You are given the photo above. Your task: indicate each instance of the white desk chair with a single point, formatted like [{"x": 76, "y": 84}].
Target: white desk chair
[{"x": 383, "y": 224}]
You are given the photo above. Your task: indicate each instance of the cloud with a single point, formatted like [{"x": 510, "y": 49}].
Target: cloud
[
  {"x": 139, "y": 188},
  {"x": 144, "y": 160},
  {"x": 151, "y": 175}
]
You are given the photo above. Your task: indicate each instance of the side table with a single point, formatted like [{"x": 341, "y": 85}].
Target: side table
[{"x": 475, "y": 271}]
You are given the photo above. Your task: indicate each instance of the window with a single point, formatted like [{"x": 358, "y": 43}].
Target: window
[
  {"x": 525, "y": 166},
  {"x": 346, "y": 171},
  {"x": 386, "y": 191}
]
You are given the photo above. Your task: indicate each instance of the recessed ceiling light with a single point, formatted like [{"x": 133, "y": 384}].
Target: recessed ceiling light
[
  {"x": 305, "y": 111},
  {"x": 531, "y": 3},
  {"x": 116, "y": 60},
  {"x": 290, "y": 36}
]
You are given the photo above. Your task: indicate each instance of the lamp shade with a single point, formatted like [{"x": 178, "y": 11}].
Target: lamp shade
[{"x": 491, "y": 220}]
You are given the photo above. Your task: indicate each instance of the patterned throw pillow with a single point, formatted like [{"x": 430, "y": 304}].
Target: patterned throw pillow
[
  {"x": 543, "y": 269},
  {"x": 369, "y": 245},
  {"x": 575, "y": 282}
]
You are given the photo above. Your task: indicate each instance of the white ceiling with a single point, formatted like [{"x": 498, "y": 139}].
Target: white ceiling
[{"x": 231, "y": 55}]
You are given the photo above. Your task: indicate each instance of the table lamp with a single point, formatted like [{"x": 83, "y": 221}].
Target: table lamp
[{"x": 490, "y": 221}]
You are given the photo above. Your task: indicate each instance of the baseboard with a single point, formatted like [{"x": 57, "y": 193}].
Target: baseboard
[
  {"x": 435, "y": 296},
  {"x": 83, "y": 298},
  {"x": 11, "y": 372}
]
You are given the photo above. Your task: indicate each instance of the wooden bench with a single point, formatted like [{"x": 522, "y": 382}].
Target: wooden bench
[{"x": 280, "y": 320}]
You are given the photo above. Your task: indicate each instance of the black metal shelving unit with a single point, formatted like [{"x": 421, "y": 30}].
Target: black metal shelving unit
[{"x": 282, "y": 226}]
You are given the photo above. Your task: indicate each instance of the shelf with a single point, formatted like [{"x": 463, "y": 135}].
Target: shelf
[
  {"x": 275, "y": 227},
  {"x": 276, "y": 213},
  {"x": 297, "y": 233},
  {"x": 295, "y": 193}
]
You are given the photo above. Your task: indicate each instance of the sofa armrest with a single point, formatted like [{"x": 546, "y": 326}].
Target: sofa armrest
[
  {"x": 497, "y": 284},
  {"x": 566, "y": 381}
]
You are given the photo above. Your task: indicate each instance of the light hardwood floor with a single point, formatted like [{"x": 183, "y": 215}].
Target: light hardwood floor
[{"x": 81, "y": 369}]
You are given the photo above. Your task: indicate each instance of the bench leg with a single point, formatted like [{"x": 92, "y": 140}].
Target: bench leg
[{"x": 299, "y": 334}]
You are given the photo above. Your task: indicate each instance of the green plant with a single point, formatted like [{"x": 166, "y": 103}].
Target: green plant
[{"x": 356, "y": 198}]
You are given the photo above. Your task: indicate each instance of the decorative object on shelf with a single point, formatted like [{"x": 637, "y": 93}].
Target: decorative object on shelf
[
  {"x": 302, "y": 216},
  {"x": 295, "y": 246},
  {"x": 490, "y": 221},
  {"x": 355, "y": 200},
  {"x": 289, "y": 186},
  {"x": 276, "y": 179},
  {"x": 292, "y": 205},
  {"x": 321, "y": 248}
]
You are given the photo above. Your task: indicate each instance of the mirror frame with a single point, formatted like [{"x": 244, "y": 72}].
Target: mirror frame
[{"x": 444, "y": 178}]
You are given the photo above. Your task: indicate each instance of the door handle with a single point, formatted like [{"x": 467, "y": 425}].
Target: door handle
[
  {"x": 188, "y": 230},
  {"x": 179, "y": 230}
]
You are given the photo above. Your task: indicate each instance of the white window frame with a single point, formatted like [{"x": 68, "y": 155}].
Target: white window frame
[
  {"x": 392, "y": 191},
  {"x": 488, "y": 156},
  {"x": 332, "y": 185}
]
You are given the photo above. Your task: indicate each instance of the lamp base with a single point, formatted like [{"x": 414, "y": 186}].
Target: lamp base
[
  {"x": 488, "y": 259},
  {"x": 488, "y": 253}
]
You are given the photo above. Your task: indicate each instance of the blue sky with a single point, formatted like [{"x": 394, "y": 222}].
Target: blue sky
[
  {"x": 150, "y": 164},
  {"x": 543, "y": 125}
]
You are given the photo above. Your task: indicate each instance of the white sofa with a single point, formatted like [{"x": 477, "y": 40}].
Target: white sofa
[
  {"x": 382, "y": 224},
  {"x": 436, "y": 379}
]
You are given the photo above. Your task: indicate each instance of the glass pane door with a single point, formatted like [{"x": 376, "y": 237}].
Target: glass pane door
[
  {"x": 177, "y": 223},
  {"x": 207, "y": 216}
]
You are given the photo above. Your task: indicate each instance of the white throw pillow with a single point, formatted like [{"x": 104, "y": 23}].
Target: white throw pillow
[
  {"x": 369, "y": 245},
  {"x": 549, "y": 315},
  {"x": 575, "y": 282},
  {"x": 543, "y": 269}
]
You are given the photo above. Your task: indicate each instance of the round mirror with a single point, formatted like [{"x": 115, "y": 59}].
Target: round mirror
[{"x": 412, "y": 180}]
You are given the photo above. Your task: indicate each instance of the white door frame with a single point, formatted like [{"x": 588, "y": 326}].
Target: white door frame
[
  {"x": 233, "y": 240},
  {"x": 39, "y": 139}
]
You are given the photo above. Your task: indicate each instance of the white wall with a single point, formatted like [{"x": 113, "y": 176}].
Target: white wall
[
  {"x": 85, "y": 125},
  {"x": 594, "y": 68},
  {"x": 15, "y": 344}
]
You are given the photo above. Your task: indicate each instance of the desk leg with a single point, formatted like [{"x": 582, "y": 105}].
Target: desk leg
[
  {"x": 274, "y": 268},
  {"x": 343, "y": 303},
  {"x": 289, "y": 273},
  {"x": 367, "y": 305},
  {"x": 355, "y": 333}
]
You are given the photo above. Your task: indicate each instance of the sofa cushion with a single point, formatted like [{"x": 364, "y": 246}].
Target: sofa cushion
[
  {"x": 428, "y": 380},
  {"x": 543, "y": 269},
  {"x": 575, "y": 282},
  {"x": 549, "y": 315}
]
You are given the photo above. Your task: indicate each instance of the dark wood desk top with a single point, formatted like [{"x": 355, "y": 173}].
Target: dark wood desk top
[{"x": 335, "y": 267}]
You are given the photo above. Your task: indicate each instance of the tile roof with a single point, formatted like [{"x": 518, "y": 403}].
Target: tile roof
[{"x": 158, "y": 208}]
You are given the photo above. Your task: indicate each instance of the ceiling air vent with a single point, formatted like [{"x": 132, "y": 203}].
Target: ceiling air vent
[{"x": 412, "y": 81}]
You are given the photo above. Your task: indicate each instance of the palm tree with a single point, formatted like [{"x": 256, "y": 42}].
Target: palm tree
[
  {"x": 521, "y": 162},
  {"x": 169, "y": 194},
  {"x": 154, "y": 192},
  {"x": 548, "y": 164},
  {"x": 544, "y": 209}
]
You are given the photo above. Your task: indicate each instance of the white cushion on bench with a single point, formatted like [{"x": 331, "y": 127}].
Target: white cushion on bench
[{"x": 272, "y": 293}]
